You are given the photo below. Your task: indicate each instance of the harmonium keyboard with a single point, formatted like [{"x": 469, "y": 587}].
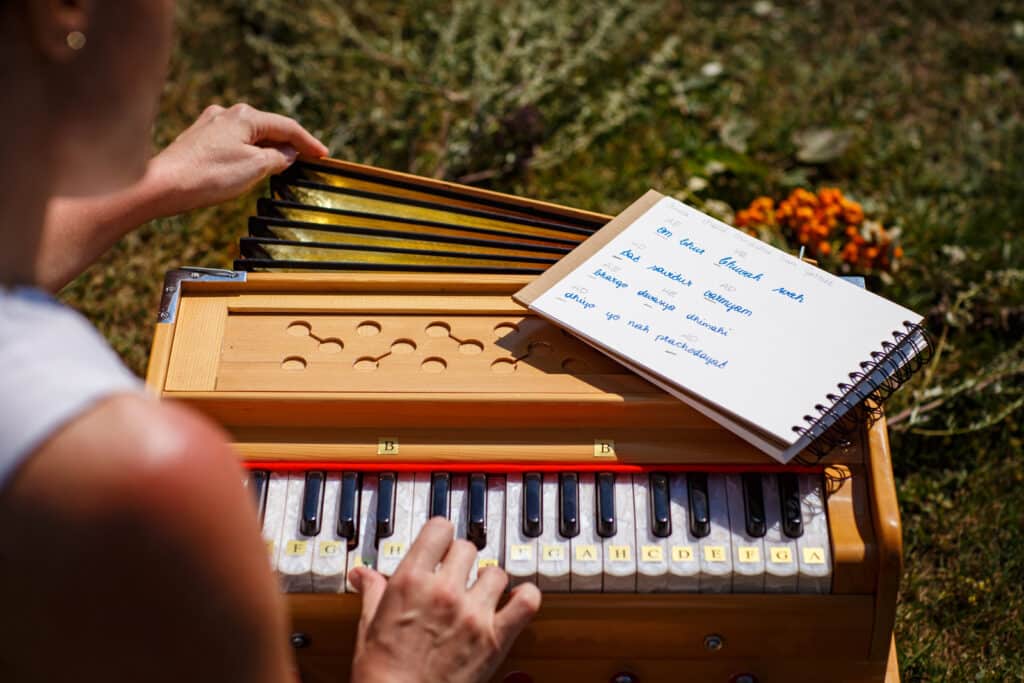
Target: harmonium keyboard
[{"x": 368, "y": 361}]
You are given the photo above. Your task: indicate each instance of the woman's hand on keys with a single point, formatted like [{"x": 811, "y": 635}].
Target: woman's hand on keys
[
  {"x": 425, "y": 625},
  {"x": 225, "y": 153}
]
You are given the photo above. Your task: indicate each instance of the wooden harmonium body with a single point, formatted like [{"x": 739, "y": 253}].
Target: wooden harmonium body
[{"x": 667, "y": 548}]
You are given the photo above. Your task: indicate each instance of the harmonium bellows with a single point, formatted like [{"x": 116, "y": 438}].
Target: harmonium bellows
[{"x": 368, "y": 361}]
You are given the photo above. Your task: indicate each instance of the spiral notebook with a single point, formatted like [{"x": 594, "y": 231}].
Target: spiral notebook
[{"x": 778, "y": 351}]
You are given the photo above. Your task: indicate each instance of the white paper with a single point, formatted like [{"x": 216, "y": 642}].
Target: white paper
[{"x": 746, "y": 327}]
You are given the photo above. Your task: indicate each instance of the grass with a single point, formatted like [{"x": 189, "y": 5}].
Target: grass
[{"x": 589, "y": 104}]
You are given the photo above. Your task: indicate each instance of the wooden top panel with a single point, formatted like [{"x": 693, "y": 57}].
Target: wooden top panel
[{"x": 291, "y": 354}]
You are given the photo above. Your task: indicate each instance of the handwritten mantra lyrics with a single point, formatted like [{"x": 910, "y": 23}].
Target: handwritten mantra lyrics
[{"x": 679, "y": 323}]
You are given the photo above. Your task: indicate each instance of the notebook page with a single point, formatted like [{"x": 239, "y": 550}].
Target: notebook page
[{"x": 746, "y": 327}]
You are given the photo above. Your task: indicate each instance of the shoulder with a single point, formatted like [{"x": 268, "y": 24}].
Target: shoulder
[
  {"x": 135, "y": 508},
  {"x": 133, "y": 440}
]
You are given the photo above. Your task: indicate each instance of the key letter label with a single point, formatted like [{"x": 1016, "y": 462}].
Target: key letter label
[
  {"x": 618, "y": 553},
  {"x": 814, "y": 555},
  {"x": 749, "y": 554},
  {"x": 682, "y": 553},
  {"x": 521, "y": 552},
  {"x": 387, "y": 445},
  {"x": 651, "y": 553},
  {"x": 330, "y": 548},
  {"x": 553, "y": 552},
  {"x": 585, "y": 553},
  {"x": 295, "y": 547},
  {"x": 781, "y": 555},
  {"x": 393, "y": 549},
  {"x": 714, "y": 553},
  {"x": 604, "y": 448}
]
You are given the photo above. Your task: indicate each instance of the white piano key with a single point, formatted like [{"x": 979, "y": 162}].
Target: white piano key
[
  {"x": 553, "y": 549},
  {"x": 683, "y": 546},
  {"x": 747, "y": 550},
  {"x": 460, "y": 513},
  {"x": 520, "y": 550},
  {"x": 392, "y": 549},
  {"x": 716, "y": 548},
  {"x": 493, "y": 553},
  {"x": 586, "y": 549},
  {"x": 273, "y": 515},
  {"x": 364, "y": 554},
  {"x": 330, "y": 549},
  {"x": 651, "y": 550},
  {"x": 620, "y": 549},
  {"x": 420, "y": 504},
  {"x": 814, "y": 552},
  {"x": 780, "y": 551},
  {"x": 295, "y": 559}
]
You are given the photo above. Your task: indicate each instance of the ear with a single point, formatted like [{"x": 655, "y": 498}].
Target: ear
[{"x": 54, "y": 23}]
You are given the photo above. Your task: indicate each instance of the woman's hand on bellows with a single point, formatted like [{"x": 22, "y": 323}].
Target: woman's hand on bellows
[
  {"x": 425, "y": 625},
  {"x": 225, "y": 153}
]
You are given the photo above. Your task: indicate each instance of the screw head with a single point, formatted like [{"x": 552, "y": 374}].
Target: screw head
[
  {"x": 299, "y": 640},
  {"x": 164, "y": 315},
  {"x": 713, "y": 642}
]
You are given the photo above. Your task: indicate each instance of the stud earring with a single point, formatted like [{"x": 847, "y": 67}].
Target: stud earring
[{"x": 76, "y": 40}]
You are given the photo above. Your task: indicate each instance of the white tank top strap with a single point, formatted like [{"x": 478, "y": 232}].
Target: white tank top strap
[{"x": 53, "y": 366}]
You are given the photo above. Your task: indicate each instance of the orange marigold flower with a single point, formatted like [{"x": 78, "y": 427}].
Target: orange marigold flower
[
  {"x": 830, "y": 195},
  {"x": 852, "y": 212},
  {"x": 849, "y": 253},
  {"x": 824, "y": 248},
  {"x": 897, "y": 252}
]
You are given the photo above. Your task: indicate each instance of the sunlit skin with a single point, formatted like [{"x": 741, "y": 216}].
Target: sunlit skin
[{"x": 128, "y": 550}]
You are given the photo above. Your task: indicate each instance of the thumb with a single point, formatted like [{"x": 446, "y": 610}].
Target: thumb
[
  {"x": 522, "y": 605},
  {"x": 277, "y": 157},
  {"x": 370, "y": 585}
]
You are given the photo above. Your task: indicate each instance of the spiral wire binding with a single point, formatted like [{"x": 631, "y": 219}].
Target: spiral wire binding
[{"x": 859, "y": 405}]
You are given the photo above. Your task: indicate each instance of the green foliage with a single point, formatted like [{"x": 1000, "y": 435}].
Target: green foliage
[{"x": 592, "y": 103}]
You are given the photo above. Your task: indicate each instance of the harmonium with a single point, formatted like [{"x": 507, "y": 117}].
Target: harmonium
[{"x": 368, "y": 361}]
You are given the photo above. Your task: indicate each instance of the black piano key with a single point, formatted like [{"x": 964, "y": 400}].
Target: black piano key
[
  {"x": 789, "y": 499},
  {"x": 661, "y": 516},
  {"x": 348, "y": 509},
  {"x": 259, "y": 487},
  {"x": 385, "y": 505},
  {"x": 568, "y": 505},
  {"x": 440, "y": 494},
  {"x": 476, "y": 530},
  {"x": 606, "y": 526},
  {"x": 753, "y": 505},
  {"x": 700, "y": 512},
  {"x": 312, "y": 503},
  {"x": 532, "y": 520}
]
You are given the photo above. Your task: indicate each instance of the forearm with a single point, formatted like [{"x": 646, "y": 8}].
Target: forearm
[{"x": 78, "y": 230}]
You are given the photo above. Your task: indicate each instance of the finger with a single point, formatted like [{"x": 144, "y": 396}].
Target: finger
[
  {"x": 430, "y": 546},
  {"x": 456, "y": 564},
  {"x": 522, "y": 605},
  {"x": 371, "y": 586},
  {"x": 489, "y": 586},
  {"x": 210, "y": 112},
  {"x": 277, "y": 157},
  {"x": 268, "y": 127}
]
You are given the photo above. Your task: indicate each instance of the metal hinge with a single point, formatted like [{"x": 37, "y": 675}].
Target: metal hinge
[{"x": 172, "y": 286}]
